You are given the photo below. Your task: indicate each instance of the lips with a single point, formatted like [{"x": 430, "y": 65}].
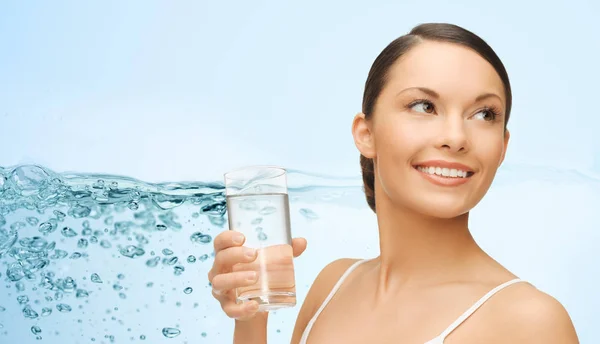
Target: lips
[
  {"x": 444, "y": 168},
  {"x": 445, "y": 173}
]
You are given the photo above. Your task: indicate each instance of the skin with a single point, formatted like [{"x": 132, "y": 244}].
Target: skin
[{"x": 430, "y": 269}]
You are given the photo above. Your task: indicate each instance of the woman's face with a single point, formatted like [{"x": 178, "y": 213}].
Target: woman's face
[{"x": 437, "y": 132}]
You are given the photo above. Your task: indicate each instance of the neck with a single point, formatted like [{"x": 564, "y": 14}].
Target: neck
[{"x": 419, "y": 250}]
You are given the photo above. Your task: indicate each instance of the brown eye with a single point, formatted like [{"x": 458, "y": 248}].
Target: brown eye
[{"x": 423, "y": 106}]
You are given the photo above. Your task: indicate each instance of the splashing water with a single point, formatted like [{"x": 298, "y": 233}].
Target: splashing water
[{"x": 106, "y": 259}]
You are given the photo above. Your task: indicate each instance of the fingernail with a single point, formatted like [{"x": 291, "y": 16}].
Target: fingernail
[
  {"x": 251, "y": 276},
  {"x": 249, "y": 252},
  {"x": 238, "y": 239}
]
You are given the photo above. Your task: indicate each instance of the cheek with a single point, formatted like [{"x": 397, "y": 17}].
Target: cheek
[
  {"x": 489, "y": 150},
  {"x": 395, "y": 139}
]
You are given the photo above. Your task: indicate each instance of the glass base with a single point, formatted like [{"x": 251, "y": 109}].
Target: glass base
[{"x": 271, "y": 301}]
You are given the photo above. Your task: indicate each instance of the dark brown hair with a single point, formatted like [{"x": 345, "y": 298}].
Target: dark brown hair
[{"x": 378, "y": 74}]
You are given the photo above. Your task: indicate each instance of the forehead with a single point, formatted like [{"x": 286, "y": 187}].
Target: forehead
[{"x": 451, "y": 70}]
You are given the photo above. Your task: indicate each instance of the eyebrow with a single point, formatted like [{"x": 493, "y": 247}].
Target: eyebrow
[{"x": 434, "y": 94}]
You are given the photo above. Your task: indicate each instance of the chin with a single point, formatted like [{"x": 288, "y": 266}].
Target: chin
[{"x": 442, "y": 207}]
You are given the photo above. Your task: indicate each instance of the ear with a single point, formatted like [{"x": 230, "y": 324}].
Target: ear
[
  {"x": 506, "y": 139},
  {"x": 363, "y": 136}
]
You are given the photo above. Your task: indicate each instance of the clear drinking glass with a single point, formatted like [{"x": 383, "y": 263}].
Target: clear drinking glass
[{"x": 258, "y": 207}]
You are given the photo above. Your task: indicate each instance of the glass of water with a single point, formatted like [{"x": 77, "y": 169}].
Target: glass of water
[{"x": 258, "y": 207}]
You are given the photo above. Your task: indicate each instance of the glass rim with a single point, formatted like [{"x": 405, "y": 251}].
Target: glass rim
[{"x": 228, "y": 175}]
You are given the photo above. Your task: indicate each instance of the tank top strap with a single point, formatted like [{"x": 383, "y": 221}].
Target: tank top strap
[
  {"x": 472, "y": 309},
  {"x": 329, "y": 297}
]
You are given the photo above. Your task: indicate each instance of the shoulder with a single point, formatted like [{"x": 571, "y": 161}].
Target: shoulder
[
  {"x": 321, "y": 287},
  {"x": 528, "y": 315}
]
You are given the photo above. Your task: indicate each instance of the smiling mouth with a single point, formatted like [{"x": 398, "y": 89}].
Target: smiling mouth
[{"x": 444, "y": 172}]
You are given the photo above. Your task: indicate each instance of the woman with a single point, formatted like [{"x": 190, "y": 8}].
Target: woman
[{"x": 432, "y": 134}]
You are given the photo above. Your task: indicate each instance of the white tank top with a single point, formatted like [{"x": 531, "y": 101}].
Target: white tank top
[{"x": 437, "y": 340}]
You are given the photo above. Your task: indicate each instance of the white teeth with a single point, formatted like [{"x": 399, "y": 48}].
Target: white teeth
[{"x": 443, "y": 171}]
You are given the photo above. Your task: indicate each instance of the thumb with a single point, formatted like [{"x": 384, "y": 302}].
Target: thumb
[{"x": 298, "y": 245}]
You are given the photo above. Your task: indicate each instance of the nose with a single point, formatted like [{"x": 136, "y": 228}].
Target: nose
[{"x": 453, "y": 135}]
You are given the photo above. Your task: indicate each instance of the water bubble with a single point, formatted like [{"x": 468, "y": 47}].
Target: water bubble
[
  {"x": 161, "y": 228},
  {"x": 18, "y": 225},
  {"x": 46, "y": 311},
  {"x": 105, "y": 244},
  {"x": 267, "y": 210},
  {"x": 133, "y": 205},
  {"x": 152, "y": 262},
  {"x": 122, "y": 296},
  {"x": 2, "y": 309},
  {"x": 203, "y": 257},
  {"x": 201, "y": 238},
  {"x": 81, "y": 293},
  {"x": 15, "y": 272},
  {"x": 79, "y": 211},
  {"x": 167, "y": 252},
  {"x": 28, "y": 179},
  {"x": 36, "y": 330},
  {"x": 262, "y": 236},
  {"x": 203, "y": 334},
  {"x": 75, "y": 255},
  {"x": 309, "y": 214},
  {"x": 188, "y": 290},
  {"x": 121, "y": 276},
  {"x": 68, "y": 232},
  {"x": 117, "y": 287},
  {"x": 59, "y": 254},
  {"x": 20, "y": 286},
  {"x": 22, "y": 299},
  {"x": 142, "y": 337},
  {"x": 132, "y": 251},
  {"x": 191, "y": 259},
  {"x": 257, "y": 221},
  {"x": 60, "y": 216},
  {"x": 33, "y": 221},
  {"x": 47, "y": 227},
  {"x": 170, "y": 261},
  {"x": 82, "y": 243},
  {"x": 96, "y": 278},
  {"x": 63, "y": 308},
  {"x": 178, "y": 270},
  {"x": 170, "y": 332},
  {"x": 29, "y": 313}
]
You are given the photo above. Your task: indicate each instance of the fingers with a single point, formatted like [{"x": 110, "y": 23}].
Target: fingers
[
  {"x": 228, "y": 239},
  {"x": 298, "y": 245},
  {"x": 227, "y": 258},
  {"x": 232, "y": 280},
  {"x": 240, "y": 311}
]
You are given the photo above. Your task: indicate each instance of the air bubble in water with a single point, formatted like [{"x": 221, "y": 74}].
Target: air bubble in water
[
  {"x": 188, "y": 290},
  {"x": 178, "y": 270},
  {"x": 36, "y": 330},
  {"x": 132, "y": 251},
  {"x": 170, "y": 332},
  {"x": 167, "y": 252},
  {"x": 309, "y": 214},
  {"x": 262, "y": 236},
  {"x": 201, "y": 238},
  {"x": 96, "y": 278},
  {"x": 191, "y": 259},
  {"x": 63, "y": 308},
  {"x": 152, "y": 262}
]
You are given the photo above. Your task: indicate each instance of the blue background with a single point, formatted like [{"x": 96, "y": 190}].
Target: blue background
[{"x": 185, "y": 90}]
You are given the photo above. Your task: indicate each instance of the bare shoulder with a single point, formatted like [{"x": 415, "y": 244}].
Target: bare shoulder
[
  {"x": 321, "y": 287},
  {"x": 528, "y": 315}
]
